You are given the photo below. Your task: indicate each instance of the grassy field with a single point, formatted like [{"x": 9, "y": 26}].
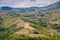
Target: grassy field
[{"x": 30, "y": 26}]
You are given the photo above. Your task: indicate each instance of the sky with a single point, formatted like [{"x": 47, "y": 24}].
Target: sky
[{"x": 26, "y": 3}]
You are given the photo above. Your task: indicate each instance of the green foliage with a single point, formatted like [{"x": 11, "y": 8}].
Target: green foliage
[
  {"x": 34, "y": 38},
  {"x": 7, "y": 32},
  {"x": 56, "y": 26}
]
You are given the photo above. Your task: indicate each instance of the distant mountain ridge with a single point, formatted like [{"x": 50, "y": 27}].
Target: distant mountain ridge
[
  {"x": 6, "y": 8},
  {"x": 52, "y": 6},
  {"x": 32, "y": 9}
]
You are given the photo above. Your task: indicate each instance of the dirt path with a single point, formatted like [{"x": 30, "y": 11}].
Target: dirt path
[{"x": 27, "y": 25}]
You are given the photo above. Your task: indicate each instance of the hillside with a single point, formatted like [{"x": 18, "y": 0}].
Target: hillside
[{"x": 32, "y": 23}]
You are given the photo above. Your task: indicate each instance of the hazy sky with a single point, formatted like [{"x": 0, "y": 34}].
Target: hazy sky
[{"x": 26, "y": 3}]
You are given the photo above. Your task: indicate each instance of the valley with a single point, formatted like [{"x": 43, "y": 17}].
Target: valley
[{"x": 33, "y": 23}]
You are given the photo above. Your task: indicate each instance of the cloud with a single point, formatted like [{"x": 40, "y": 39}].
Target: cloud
[{"x": 26, "y": 3}]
